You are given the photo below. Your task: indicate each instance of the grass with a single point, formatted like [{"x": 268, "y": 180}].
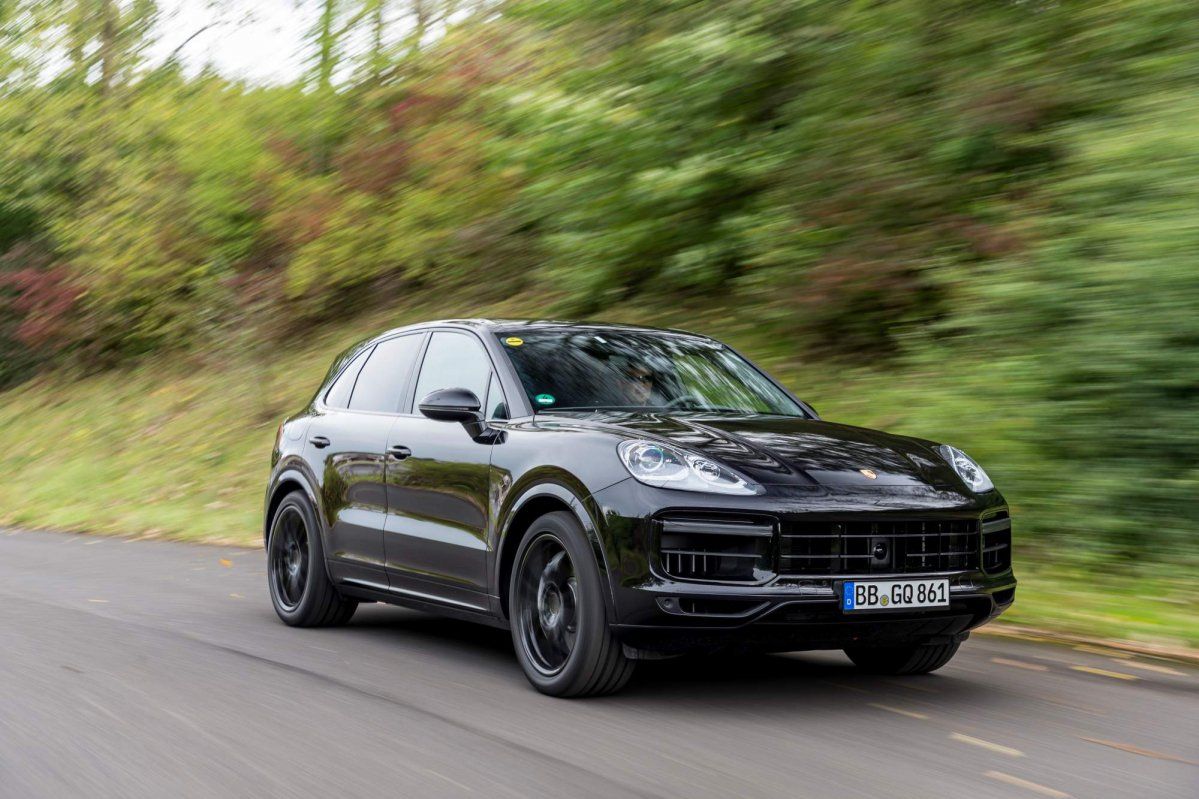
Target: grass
[{"x": 179, "y": 448}]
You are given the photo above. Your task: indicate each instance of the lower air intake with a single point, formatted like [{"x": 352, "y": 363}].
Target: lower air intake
[{"x": 735, "y": 551}]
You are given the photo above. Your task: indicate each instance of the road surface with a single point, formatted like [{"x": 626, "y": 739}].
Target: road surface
[{"x": 152, "y": 669}]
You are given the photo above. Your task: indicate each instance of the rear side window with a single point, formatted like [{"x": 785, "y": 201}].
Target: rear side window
[
  {"x": 454, "y": 360},
  {"x": 338, "y": 395},
  {"x": 382, "y": 381}
]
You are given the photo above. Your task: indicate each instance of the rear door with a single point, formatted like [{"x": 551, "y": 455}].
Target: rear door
[
  {"x": 346, "y": 444},
  {"x": 435, "y": 538}
]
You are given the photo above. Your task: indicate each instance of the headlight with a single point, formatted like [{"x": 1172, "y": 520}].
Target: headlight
[
  {"x": 667, "y": 467},
  {"x": 971, "y": 473}
]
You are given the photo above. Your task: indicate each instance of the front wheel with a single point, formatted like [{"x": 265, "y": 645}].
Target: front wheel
[
  {"x": 918, "y": 659},
  {"x": 558, "y": 614}
]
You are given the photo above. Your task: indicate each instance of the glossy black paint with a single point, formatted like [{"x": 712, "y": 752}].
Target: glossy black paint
[{"x": 427, "y": 512}]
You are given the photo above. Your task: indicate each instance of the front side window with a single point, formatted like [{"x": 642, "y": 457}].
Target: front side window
[
  {"x": 381, "y": 383},
  {"x": 454, "y": 360},
  {"x": 585, "y": 369}
]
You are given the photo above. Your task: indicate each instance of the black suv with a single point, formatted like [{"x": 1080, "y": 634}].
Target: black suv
[{"x": 615, "y": 493}]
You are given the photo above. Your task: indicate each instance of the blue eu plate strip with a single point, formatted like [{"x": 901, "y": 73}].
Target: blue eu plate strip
[{"x": 847, "y": 596}]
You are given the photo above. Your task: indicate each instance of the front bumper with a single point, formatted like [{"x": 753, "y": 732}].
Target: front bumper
[
  {"x": 678, "y": 618},
  {"x": 654, "y": 612}
]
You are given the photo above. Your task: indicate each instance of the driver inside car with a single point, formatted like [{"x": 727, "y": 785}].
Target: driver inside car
[{"x": 640, "y": 387}]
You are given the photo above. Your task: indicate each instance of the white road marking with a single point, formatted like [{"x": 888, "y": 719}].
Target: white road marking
[
  {"x": 909, "y": 713},
  {"x": 1035, "y": 787},
  {"x": 1115, "y": 675},
  {"x": 1020, "y": 664},
  {"x": 979, "y": 742}
]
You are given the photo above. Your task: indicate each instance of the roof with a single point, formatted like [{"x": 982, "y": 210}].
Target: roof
[{"x": 507, "y": 325}]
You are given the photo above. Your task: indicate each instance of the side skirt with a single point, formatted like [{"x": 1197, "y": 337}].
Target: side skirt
[{"x": 373, "y": 592}]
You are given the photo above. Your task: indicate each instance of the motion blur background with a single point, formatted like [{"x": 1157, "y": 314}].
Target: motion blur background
[{"x": 975, "y": 221}]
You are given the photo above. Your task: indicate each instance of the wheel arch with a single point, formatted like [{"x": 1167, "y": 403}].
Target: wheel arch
[
  {"x": 287, "y": 481},
  {"x": 535, "y": 502}
]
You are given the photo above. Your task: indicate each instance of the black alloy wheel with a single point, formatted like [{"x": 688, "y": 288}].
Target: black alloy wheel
[
  {"x": 558, "y": 615},
  {"x": 549, "y": 602},
  {"x": 289, "y": 559}
]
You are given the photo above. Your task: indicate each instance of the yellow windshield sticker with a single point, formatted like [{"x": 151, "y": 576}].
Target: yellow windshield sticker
[{"x": 513, "y": 341}]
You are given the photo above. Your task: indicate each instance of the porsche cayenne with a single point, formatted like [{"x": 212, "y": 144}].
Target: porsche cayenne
[{"x": 613, "y": 493}]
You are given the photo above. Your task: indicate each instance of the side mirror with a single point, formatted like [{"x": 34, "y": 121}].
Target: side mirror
[{"x": 452, "y": 405}]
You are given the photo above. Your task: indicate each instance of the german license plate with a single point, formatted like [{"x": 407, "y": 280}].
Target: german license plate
[{"x": 894, "y": 594}]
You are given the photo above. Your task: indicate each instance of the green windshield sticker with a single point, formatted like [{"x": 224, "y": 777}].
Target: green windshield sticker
[{"x": 544, "y": 399}]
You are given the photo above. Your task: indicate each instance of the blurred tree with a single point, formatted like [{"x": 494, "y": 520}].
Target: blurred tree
[
  {"x": 1001, "y": 186},
  {"x": 105, "y": 39}
]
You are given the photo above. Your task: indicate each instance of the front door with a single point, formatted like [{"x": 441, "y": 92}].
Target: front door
[{"x": 438, "y": 481}]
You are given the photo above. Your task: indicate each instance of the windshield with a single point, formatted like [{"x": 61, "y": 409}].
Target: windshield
[{"x": 606, "y": 369}]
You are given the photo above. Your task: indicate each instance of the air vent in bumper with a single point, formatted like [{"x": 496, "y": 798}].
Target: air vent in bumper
[
  {"x": 997, "y": 543},
  {"x": 715, "y": 550}
]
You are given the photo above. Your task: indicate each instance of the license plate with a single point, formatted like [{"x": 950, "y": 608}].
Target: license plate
[{"x": 894, "y": 594}]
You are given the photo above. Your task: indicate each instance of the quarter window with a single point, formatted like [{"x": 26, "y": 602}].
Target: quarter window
[
  {"x": 382, "y": 381},
  {"x": 338, "y": 395},
  {"x": 454, "y": 360}
]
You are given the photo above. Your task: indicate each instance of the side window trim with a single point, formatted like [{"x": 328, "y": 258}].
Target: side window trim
[{"x": 408, "y": 400}]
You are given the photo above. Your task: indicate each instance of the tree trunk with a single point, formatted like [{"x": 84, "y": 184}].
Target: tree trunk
[
  {"x": 326, "y": 39},
  {"x": 109, "y": 47},
  {"x": 77, "y": 35},
  {"x": 377, "y": 24}
]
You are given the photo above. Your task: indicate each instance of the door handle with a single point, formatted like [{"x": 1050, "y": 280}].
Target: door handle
[
  {"x": 399, "y": 452},
  {"x": 320, "y": 442}
]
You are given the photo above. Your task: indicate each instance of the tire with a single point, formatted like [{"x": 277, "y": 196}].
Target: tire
[
  {"x": 917, "y": 659},
  {"x": 558, "y": 615},
  {"x": 301, "y": 592}
]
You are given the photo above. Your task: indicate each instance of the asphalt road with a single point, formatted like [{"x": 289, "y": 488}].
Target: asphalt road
[{"x": 150, "y": 669}]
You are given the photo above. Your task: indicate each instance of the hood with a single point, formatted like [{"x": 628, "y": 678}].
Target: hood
[{"x": 773, "y": 450}]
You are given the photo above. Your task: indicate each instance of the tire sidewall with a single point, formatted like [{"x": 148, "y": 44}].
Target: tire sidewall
[
  {"x": 316, "y": 558},
  {"x": 592, "y": 609}
]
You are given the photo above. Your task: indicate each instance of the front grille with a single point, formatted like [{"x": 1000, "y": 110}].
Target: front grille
[
  {"x": 878, "y": 547},
  {"x": 715, "y": 549}
]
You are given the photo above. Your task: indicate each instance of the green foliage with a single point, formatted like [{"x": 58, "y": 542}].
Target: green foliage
[{"x": 967, "y": 220}]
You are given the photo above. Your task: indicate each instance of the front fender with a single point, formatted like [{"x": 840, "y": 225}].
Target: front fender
[{"x": 566, "y": 490}]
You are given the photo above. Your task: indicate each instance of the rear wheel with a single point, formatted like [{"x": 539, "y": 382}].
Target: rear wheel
[
  {"x": 917, "y": 659},
  {"x": 559, "y": 617},
  {"x": 301, "y": 591}
]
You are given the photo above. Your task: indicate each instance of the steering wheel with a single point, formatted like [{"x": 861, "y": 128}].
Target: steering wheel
[{"x": 683, "y": 401}]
